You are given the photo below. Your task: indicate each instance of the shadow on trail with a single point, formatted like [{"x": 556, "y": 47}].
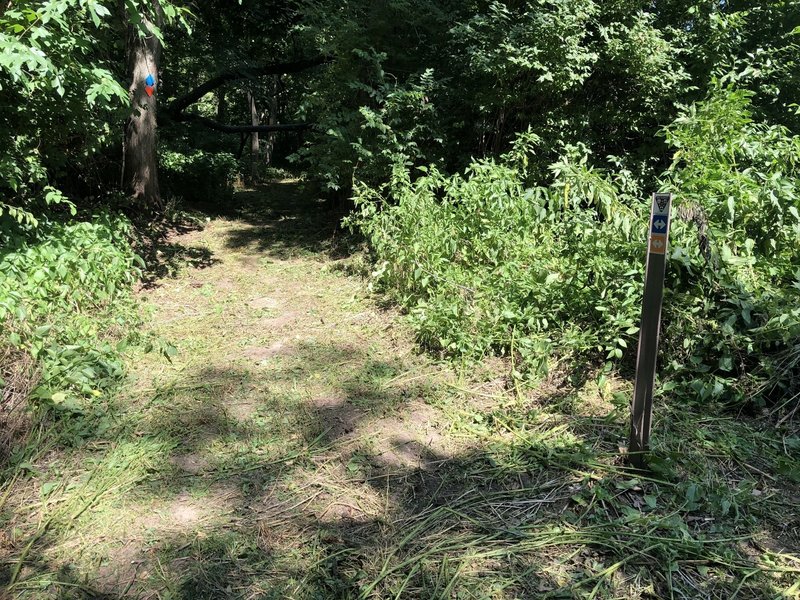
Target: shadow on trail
[
  {"x": 164, "y": 257},
  {"x": 257, "y": 513},
  {"x": 323, "y": 501},
  {"x": 282, "y": 221},
  {"x": 539, "y": 515},
  {"x": 278, "y": 219},
  {"x": 261, "y": 492}
]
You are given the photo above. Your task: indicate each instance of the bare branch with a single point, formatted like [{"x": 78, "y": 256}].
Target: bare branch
[
  {"x": 211, "y": 124},
  {"x": 245, "y": 72}
]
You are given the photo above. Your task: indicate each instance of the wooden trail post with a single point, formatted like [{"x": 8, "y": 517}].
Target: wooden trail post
[{"x": 642, "y": 406}]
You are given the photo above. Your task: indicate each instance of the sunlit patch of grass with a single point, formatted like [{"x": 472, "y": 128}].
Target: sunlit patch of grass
[{"x": 544, "y": 507}]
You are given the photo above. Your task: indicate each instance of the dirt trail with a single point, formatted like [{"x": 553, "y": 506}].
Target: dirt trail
[
  {"x": 293, "y": 400},
  {"x": 292, "y": 416}
]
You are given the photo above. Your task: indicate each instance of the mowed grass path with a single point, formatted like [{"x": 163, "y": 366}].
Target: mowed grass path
[{"x": 299, "y": 445}]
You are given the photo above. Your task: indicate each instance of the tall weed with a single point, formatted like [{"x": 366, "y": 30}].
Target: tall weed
[
  {"x": 486, "y": 262},
  {"x": 66, "y": 302}
]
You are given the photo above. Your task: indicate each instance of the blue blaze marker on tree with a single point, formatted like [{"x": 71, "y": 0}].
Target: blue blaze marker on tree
[{"x": 149, "y": 80}]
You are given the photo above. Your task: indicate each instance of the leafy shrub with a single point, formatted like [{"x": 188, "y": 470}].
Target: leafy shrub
[
  {"x": 383, "y": 120},
  {"x": 736, "y": 289},
  {"x": 65, "y": 301},
  {"x": 199, "y": 176},
  {"x": 57, "y": 98},
  {"x": 486, "y": 262}
]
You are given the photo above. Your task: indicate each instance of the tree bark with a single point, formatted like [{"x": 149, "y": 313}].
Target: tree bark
[
  {"x": 243, "y": 137},
  {"x": 254, "y": 142},
  {"x": 273, "y": 120},
  {"x": 222, "y": 105},
  {"x": 140, "y": 159}
]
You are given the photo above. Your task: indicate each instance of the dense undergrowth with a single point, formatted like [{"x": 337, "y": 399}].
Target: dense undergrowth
[
  {"x": 67, "y": 312},
  {"x": 492, "y": 260},
  {"x": 198, "y": 176}
]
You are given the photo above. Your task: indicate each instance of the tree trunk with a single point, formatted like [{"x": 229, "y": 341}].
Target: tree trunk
[
  {"x": 222, "y": 105},
  {"x": 254, "y": 145},
  {"x": 243, "y": 137},
  {"x": 273, "y": 120},
  {"x": 140, "y": 159}
]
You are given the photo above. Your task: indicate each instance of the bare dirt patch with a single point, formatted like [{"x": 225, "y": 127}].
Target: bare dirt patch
[
  {"x": 241, "y": 411},
  {"x": 120, "y": 568},
  {"x": 414, "y": 439},
  {"x": 338, "y": 417},
  {"x": 281, "y": 321},
  {"x": 191, "y": 463},
  {"x": 265, "y": 302},
  {"x": 262, "y": 353}
]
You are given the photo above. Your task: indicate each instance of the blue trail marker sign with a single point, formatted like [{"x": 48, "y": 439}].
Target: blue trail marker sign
[{"x": 642, "y": 406}]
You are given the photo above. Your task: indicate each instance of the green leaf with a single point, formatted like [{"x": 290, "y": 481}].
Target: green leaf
[
  {"x": 48, "y": 487},
  {"x": 42, "y": 330}
]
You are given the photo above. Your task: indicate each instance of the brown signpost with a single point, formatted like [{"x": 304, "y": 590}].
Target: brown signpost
[{"x": 642, "y": 406}]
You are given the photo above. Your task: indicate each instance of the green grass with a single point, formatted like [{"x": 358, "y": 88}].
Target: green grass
[{"x": 299, "y": 446}]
